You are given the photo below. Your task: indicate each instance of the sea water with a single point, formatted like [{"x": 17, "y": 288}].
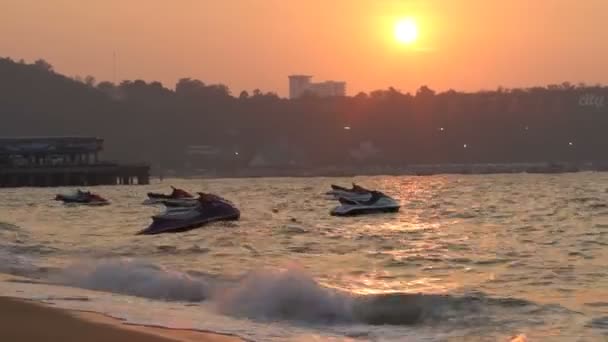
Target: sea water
[{"x": 477, "y": 257}]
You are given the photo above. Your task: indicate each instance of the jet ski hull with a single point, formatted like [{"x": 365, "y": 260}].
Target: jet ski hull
[
  {"x": 175, "y": 220},
  {"x": 356, "y": 211},
  {"x": 160, "y": 225},
  {"x": 171, "y": 202},
  {"x": 380, "y": 203},
  {"x": 90, "y": 204},
  {"x": 81, "y": 201}
]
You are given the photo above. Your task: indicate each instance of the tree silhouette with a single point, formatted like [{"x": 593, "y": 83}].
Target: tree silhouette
[
  {"x": 147, "y": 121},
  {"x": 43, "y": 65}
]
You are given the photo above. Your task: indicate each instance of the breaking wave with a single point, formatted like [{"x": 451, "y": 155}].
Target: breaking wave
[
  {"x": 266, "y": 294},
  {"x": 135, "y": 278},
  {"x": 4, "y": 226},
  {"x": 15, "y": 264},
  {"x": 291, "y": 295},
  {"x": 294, "y": 295}
]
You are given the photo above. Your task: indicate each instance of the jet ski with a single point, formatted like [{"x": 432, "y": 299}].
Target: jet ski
[
  {"x": 177, "y": 196},
  {"x": 82, "y": 197},
  {"x": 357, "y": 192},
  {"x": 209, "y": 208},
  {"x": 377, "y": 203},
  {"x": 179, "y": 203}
]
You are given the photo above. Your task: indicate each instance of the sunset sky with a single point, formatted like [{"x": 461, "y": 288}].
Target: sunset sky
[{"x": 246, "y": 44}]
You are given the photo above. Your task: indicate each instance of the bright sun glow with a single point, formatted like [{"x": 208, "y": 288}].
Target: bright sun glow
[{"x": 406, "y": 31}]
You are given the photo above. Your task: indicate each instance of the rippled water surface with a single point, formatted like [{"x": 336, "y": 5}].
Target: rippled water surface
[{"x": 466, "y": 258}]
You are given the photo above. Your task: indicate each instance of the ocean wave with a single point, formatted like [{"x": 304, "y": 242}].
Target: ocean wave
[
  {"x": 286, "y": 295},
  {"x": 268, "y": 294},
  {"x": 4, "y": 226},
  {"x": 599, "y": 323},
  {"x": 32, "y": 249},
  {"x": 410, "y": 309},
  {"x": 136, "y": 278},
  {"x": 16, "y": 264},
  {"x": 294, "y": 295}
]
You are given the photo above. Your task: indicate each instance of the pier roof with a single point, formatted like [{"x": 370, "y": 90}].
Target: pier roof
[{"x": 63, "y": 144}]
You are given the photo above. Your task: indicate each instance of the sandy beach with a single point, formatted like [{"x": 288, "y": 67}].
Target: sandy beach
[{"x": 26, "y": 321}]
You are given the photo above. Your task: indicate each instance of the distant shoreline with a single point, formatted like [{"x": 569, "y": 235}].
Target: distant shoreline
[{"x": 412, "y": 170}]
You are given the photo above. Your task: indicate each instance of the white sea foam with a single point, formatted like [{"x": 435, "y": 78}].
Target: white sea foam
[
  {"x": 16, "y": 264},
  {"x": 289, "y": 294},
  {"x": 132, "y": 277},
  {"x": 269, "y": 294}
]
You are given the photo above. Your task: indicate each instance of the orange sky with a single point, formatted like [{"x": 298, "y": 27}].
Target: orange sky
[{"x": 247, "y": 44}]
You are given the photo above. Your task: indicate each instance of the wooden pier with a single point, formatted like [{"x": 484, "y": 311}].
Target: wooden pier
[
  {"x": 65, "y": 161},
  {"x": 108, "y": 174}
]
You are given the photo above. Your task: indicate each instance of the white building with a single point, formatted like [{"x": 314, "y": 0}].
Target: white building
[{"x": 301, "y": 84}]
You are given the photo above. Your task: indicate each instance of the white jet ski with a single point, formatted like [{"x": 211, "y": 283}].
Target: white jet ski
[{"x": 377, "y": 203}]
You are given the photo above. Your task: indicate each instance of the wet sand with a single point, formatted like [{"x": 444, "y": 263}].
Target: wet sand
[{"x": 27, "y": 321}]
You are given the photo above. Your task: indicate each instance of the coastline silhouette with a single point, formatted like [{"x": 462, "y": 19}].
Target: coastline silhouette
[{"x": 148, "y": 121}]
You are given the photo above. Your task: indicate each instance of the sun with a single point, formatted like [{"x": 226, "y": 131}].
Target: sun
[{"x": 406, "y": 31}]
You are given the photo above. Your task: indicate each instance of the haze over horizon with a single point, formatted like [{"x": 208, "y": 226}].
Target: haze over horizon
[{"x": 245, "y": 44}]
